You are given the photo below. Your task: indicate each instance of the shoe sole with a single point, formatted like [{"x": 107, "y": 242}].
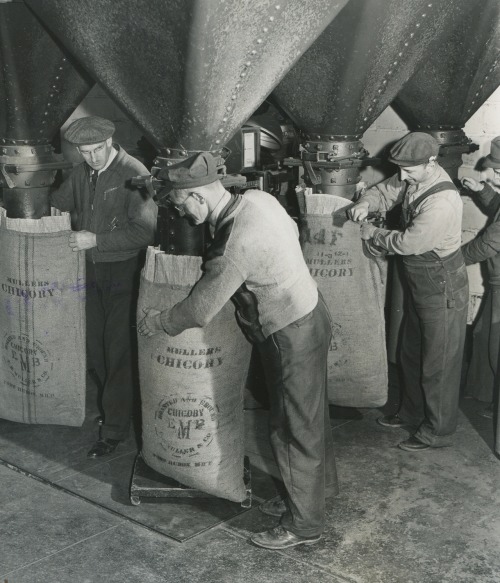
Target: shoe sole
[
  {"x": 405, "y": 448},
  {"x": 392, "y": 426},
  {"x": 280, "y": 547}
]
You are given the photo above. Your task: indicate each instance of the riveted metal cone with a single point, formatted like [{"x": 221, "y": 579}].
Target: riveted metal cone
[
  {"x": 39, "y": 86},
  {"x": 360, "y": 62},
  {"x": 459, "y": 75},
  {"x": 189, "y": 72}
]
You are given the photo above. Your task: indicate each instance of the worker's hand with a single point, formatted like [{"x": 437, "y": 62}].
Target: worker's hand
[
  {"x": 472, "y": 184},
  {"x": 81, "y": 240},
  {"x": 358, "y": 212},
  {"x": 151, "y": 323},
  {"x": 367, "y": 231}
]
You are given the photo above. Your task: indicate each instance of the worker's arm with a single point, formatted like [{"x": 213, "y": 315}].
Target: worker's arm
[
  {"x": 423, "y": 234},
  {"x": 484, "y": 246},
  {"x": 138, "y": 232},
  {"x": 220, "y": 280},
  {"x": 381, "y": 197},
  {"x": 63, "y": 198},
  {"x": 487, "y": 198}
]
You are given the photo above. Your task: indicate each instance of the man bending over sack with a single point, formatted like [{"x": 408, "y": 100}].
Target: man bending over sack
[{"x": 255, "y": 260}]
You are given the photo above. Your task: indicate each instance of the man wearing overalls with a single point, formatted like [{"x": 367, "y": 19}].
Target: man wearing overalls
[{"x": 433, "y": 335}]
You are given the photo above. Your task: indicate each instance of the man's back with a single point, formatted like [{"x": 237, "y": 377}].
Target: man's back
[{"x": 259, "y": 237}]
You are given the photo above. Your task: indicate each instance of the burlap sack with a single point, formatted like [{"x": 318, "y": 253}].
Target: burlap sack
[
  {"x": 42, "y": 322},
  {"x": 192, "y": 387},
  {"x": 353, "y": 285}
]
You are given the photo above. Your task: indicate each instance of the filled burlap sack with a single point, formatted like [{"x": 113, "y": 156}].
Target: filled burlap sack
[
  {"x": 192, "y": 387},
  {"x": 42, "y": 322},
  {"x": 353, "y": 286}
]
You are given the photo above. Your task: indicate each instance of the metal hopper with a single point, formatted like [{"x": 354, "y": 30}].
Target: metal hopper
[
  {"x": 454, "y": 81},
  {"x": 39, "y": 88},
  {"x": 188, "y": 72},
  {"x": 352, "y": 73}
]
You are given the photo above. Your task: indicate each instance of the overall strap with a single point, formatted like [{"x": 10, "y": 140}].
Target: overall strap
[
  {"x": 444, "y": 185},
  {"x": 409, "y": 213}
]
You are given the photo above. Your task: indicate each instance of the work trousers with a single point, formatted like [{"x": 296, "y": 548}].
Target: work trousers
[
  {"x": 295, "y": 367},
  {"x": 432, "y": 345},
  {"x": 111, "y": 300}
]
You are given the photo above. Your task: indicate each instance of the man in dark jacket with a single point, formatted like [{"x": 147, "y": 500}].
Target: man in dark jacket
[
  {"x": 114, "y": 223},
  {"x": 255, "y": 259},
  {"x": 486, "y": 247}
]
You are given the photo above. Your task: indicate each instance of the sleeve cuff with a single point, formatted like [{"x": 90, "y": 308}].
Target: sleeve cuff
[{"x": 165, "y": 320}]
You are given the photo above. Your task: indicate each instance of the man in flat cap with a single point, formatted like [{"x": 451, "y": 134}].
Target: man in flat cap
[
  {"x": 486, "y": 247},
  {"x": 114, "y": 222},
  {"x": 434, "y": 329},
  {"x": 255, "y": 260}
]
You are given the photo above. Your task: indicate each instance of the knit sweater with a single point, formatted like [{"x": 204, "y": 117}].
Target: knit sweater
[
  {"x": 256, "y": 250},
  {"x": 486, "y": 246},
  {"x": 121, "y": 216}
]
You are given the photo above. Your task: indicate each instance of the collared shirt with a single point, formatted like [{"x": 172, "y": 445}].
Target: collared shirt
[
  {"x": 112, "y": 156},
  {"x": 437, "y": 225}
]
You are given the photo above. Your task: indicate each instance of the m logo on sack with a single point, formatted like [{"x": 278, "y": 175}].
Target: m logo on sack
[
  {"x": 26, "y": 359},
  {"x": 186, "y": 425}
]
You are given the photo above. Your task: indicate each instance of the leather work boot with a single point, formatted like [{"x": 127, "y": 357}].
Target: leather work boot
[
  {"x": 275, "y": 507},
  {"x": 278, "y": 538},
  {"x": 103, "y": 447},
  {"x": 392, "y": 421},
  {"x": 413, "y": 444}
]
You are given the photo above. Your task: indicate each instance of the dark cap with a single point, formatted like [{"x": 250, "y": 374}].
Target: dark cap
[
  {"x": 197, "y": 170},
  {"x": 414, "y": 149},
  {"x": 492, "y": 160},
  {"x": 89, "y": 130}
]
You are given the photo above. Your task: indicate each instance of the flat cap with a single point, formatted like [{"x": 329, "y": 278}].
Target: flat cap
[
  {"x": 196, "y": 170},
  {"x": 89, "y": 130},
  {"x": 492, "y": 160},
  {"x": 414, "y": 149}
]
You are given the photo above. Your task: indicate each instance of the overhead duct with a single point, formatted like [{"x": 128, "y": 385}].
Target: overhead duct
[
  {"x": 351, "y": 74},
  {"x": 454, "y": 81},
  {"x": 39, "y": 89},
  {"x": 188, "y": 72}
]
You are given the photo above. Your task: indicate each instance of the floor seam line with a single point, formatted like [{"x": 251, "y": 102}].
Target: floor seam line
[
  {"x": 60, "y": 550},
  {"x": 59, "y": 488}
]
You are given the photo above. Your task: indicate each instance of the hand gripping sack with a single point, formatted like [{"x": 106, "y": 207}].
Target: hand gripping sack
[
  {"x": 353, "y": 285},
  {"x": 192, "y": 387},
  {"x": 42, "y": 322}
]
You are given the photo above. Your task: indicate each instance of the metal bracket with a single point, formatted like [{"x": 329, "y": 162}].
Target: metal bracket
[
  {"x": 315, "y": 179},
  {"x": 339, "y": 164},
  {"x": 19, "y": 168},
  {"x": 10, "y": 183}
]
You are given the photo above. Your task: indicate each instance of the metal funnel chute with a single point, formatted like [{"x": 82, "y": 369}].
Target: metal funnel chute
[
  {"x": 454, "y": 81},
  {"x": 352, "y": 73},
  {"x": 188, "y": 72},
  {"x": 39, "y": 88}
]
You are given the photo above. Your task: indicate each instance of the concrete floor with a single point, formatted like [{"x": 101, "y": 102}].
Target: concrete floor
[{"x": 428, "y": 517}]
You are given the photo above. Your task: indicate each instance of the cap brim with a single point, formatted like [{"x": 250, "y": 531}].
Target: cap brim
[
  {"x": 405, "y": 164},
  {"x": 489, "y": 163}
]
